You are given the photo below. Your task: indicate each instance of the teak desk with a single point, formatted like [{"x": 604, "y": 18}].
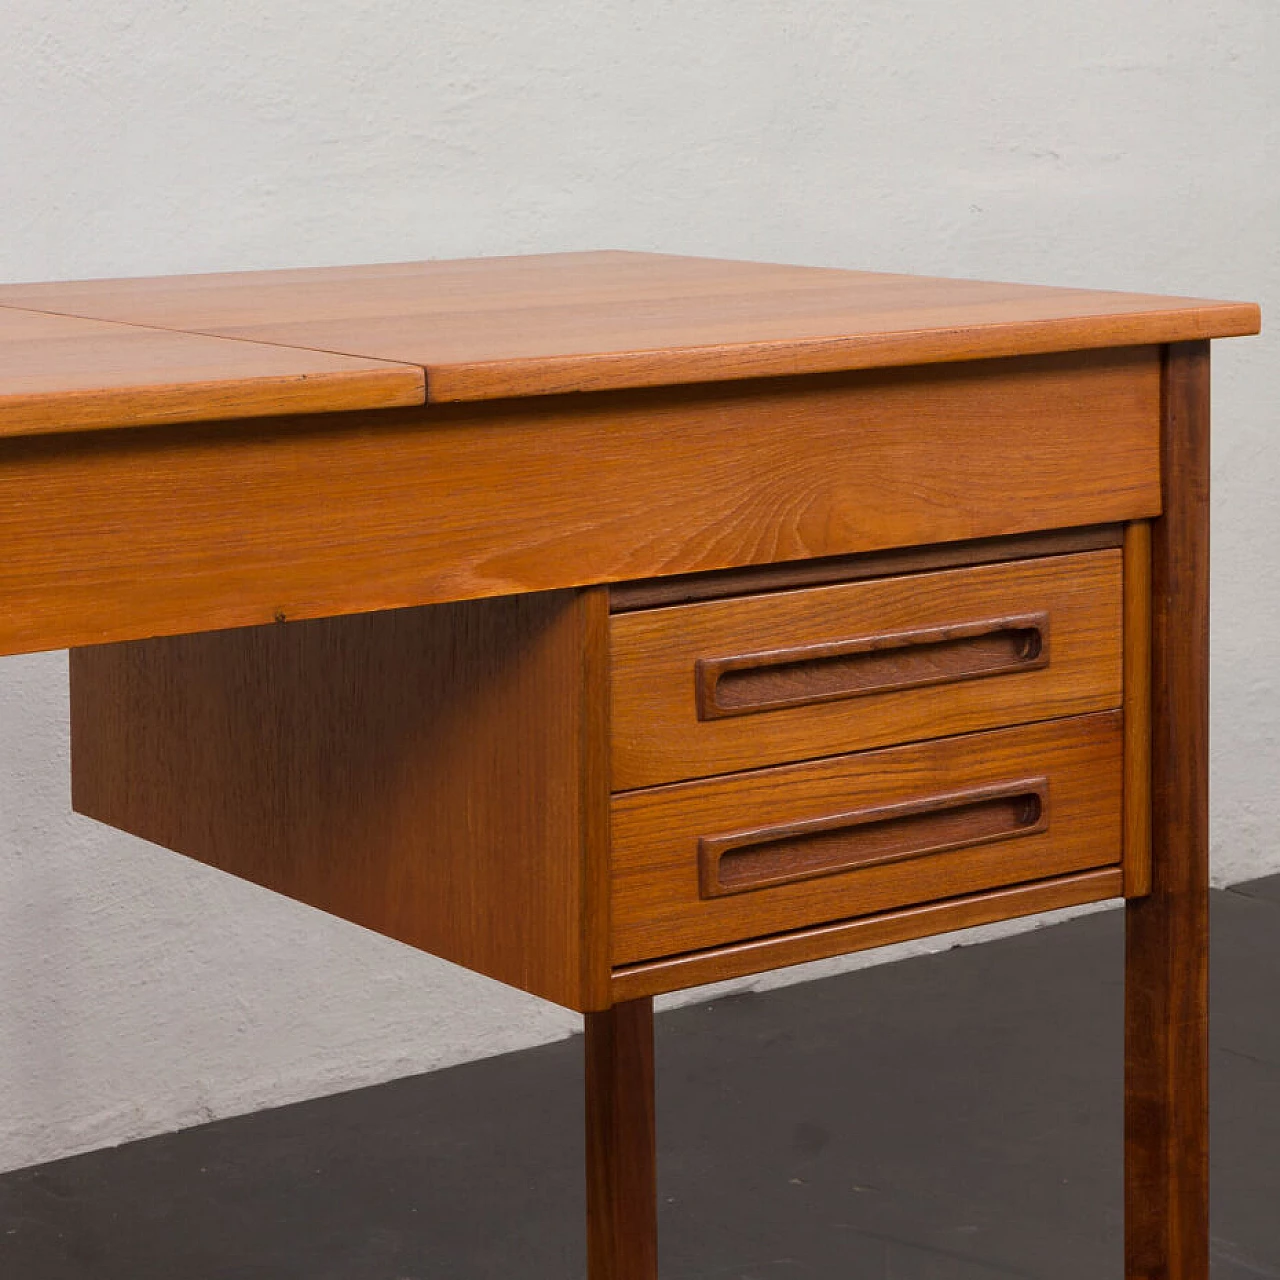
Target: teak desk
[{"x": 611, "y": 623}]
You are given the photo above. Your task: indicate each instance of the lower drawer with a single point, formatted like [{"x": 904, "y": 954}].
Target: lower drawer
[{"x": 702, "y": 864}]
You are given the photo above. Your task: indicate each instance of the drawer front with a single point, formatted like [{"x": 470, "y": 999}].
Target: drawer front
[
  {"x": 703, "y": 864},
  {"x": 704, "y": 689}
]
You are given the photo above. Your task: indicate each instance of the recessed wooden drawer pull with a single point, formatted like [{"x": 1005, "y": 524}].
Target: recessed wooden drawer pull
[
  {"x": 804, "y": 850},
  {"x": 870, "y": 664}
]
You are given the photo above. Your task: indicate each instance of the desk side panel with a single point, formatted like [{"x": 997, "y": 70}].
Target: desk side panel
[
  {"x": 126, "y": 534},
  {"x": 426, "y": 773}
]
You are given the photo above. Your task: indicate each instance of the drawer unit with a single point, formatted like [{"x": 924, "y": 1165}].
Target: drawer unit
[
  {"x": 718, "y": 686},
  {"x": 706, "y": 863}
]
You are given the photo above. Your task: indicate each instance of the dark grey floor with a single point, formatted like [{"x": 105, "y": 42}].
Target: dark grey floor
[{"x": 953, "y": 1117}]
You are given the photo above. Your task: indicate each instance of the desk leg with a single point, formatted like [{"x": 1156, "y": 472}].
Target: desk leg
[
  {"x": 622, "y": 1195},
  {"x": 1167, "y": 932}
]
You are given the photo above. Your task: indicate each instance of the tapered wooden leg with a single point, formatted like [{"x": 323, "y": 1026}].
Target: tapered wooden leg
[
  {"x": 1167, "y": 932},
  {"x": 622, "y": 1195}
]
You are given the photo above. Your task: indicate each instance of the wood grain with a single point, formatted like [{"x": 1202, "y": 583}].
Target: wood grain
[
  {"x": 123, "y": 534},
  {"x": 594, "y": 785},
  {"x": 622, "y": 1196},
  {"x": 662, "y": 734},
  {"x": 431, "y": 774},
  {"x": 490, "y": 328},
  {"x": 649, "y": 593},
  {"x": 60, "y": 374},
  {"x": 676, "y": 973},
  {"x": 1167, "y": 937},
  {"x": 658, "y": 906},
  {"x": 1137, "y": 709}
]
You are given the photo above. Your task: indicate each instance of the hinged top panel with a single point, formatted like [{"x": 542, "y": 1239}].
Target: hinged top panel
[{"x": 67, "y": 373}]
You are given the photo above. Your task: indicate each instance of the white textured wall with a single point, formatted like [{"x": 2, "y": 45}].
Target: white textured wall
[{"x": 1129, "y": 144}]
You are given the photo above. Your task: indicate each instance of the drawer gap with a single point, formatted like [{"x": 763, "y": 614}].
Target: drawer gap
[{"x": 679, "y": 589}]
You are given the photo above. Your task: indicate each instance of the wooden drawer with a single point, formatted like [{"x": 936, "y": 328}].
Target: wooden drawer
[
  {"x": 703, "y": 864},
  {"x": 709, "y": 688}
]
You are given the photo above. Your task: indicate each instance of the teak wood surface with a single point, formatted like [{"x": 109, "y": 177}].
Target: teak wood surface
[
  {"x": 1137, "y": 709},
  {"x": 790, "y": 575},
  {"x": 661, "y": 733},
  {"x": 1167, "y": 931},
  {"x": 495, "y": 327},
  {"x": 444, "y": 773},
  {"x": 675, "y": 973},
  {"x": 622, "y": 1190},
  {"x": 63, "y": 373},
  {"x": 659, "y": 908},
  {"x": 304, "y": 517},
  {"x": 876, "y": 834},
  {"x": 438, "y": 775}
]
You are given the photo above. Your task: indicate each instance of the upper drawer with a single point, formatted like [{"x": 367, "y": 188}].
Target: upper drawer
[{"x": 709, "y": 688}]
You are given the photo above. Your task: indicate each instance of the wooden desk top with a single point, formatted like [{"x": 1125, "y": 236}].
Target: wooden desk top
[
  {"x": 58, "y": 371},
  {"x": 338, "y": 338}
]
